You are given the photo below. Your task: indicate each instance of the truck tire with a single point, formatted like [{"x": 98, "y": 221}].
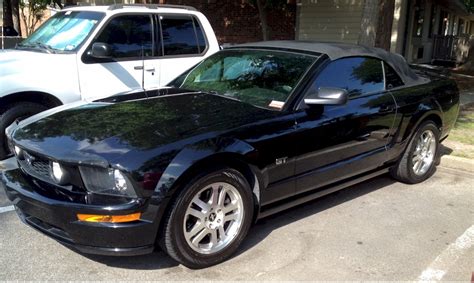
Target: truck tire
[{"x": 20, "y": 110}]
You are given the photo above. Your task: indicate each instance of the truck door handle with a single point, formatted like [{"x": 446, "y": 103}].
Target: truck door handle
[{"x": 152, "y": 69}]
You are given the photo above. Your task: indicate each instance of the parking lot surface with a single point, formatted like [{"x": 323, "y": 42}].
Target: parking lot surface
[{"x": 377, "y": 230}]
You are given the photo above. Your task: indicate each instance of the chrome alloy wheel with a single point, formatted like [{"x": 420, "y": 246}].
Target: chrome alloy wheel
[
  {"x": 424, "y": 153},
  {"x": 213, "y": 218}
]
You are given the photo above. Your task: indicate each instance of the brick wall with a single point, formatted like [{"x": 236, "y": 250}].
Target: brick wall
[{"x": 238, "y": 21}]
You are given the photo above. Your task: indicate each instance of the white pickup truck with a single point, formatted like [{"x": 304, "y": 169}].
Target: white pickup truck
[{"x": 87, "y": 53}]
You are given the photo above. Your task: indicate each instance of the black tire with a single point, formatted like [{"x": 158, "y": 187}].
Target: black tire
[
  {"x": 403, "y": 171},
  {"x": 173, "y": 239},
  {"x": 20, "y": 110}
]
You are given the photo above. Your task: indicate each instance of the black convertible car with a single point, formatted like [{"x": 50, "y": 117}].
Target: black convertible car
[{"x": 250, "y": 131}]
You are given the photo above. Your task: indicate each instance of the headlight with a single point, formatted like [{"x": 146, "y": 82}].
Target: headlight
[
  {"x": 58, "y": 174},
  {"x": 17, "y": 150},
  {"x": 106, "y": 181}
]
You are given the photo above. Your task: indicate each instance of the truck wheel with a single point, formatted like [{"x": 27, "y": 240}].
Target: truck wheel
[
  {"x": 418, "y": 162},
  {"x": 20, "y": 110},
  {"x": 209, "y": 219}
]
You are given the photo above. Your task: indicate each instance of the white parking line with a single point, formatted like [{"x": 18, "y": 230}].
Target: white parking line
[
  {"x": 448, "y": 257},
  {"x": 7, "y": 209}
]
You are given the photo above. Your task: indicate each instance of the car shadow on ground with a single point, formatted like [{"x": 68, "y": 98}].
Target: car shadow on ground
[
  {"x": 444, "y": 150},
  {"x": 266, "y": 225},
  {"x": 259, "y": 231}
]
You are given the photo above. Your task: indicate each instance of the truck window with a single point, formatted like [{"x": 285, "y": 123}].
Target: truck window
[
  {"x": 128, "y": 36},
  {"x": 181, "y": 35}
]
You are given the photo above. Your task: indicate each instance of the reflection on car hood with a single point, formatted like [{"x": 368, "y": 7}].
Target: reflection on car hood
[{"x": 110, "y": 130}]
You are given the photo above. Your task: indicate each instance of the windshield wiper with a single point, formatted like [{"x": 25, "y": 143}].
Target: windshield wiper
[{"x": 40, "y": 45}]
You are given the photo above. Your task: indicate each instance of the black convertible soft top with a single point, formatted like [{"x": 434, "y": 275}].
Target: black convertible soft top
[{"x": 340, "y": 50}]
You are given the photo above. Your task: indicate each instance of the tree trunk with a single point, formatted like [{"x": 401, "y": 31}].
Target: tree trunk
[
  {"x": 262, "y": 13},
  {"x": 384, "y": 25},
  {"x": 15, "y": 6},
  {"x": 7, "y": 13}
]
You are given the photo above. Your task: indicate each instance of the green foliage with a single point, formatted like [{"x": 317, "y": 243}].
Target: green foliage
[
  {"x": 470, "y": 5},
  {"x": 32, "y": 12}
]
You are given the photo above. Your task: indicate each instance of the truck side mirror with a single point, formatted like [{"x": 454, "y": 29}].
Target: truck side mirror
[{"x": 101, "y": 50}]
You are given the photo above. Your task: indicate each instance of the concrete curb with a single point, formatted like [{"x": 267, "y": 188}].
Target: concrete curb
[{"x": 457, "y": 163}]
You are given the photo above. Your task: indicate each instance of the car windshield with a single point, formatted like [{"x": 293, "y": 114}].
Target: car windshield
[
  {"x": 261, "y": 78},
  {"x": 65, "y": 31}
]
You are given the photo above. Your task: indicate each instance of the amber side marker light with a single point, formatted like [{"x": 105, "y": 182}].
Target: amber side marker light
[{"x": 109, "y": 218}]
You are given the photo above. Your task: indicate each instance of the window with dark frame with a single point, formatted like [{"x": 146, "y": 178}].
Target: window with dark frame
[
  {"x": 129, "y": 36},
  {"x": 392, "y": 79},
  {"x": 432, "y": 21},
  {"x": 419, "y": 18},
  {"x": 357, "y": 75},
  {"x": 181, "y": 35},
  {"x": 461, "y": 24},
  {"x": 444, "y": 23}
]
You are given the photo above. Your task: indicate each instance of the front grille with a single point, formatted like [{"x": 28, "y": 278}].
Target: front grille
[
  {"x": 36, "y": 166},
  {"x": 39, "y": 168}
]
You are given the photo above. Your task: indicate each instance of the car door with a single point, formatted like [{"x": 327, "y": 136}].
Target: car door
[
  {"x": 133, "y": 61},
  {"x": 183, "y": 45},
  {"x": 339, "y": 141}
]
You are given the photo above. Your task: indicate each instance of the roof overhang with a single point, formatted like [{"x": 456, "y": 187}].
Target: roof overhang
[{"x": 457, "y": 6}]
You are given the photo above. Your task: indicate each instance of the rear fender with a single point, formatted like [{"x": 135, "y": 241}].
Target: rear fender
[{"x": 429, "y": 110}]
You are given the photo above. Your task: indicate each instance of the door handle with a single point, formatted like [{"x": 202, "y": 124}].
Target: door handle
[
  {"x": 386, "y": 108},
  {"x": 152, "y": 69},
  {"x": 363, "y": 137}
]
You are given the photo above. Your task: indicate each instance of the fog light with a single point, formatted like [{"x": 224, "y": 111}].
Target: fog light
[
  {"x": 109, "y": 218},
  {"x": 57, "y": 172}
]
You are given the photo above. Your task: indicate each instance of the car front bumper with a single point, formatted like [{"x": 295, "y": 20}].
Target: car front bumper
[{"x": 58, "y": 219}]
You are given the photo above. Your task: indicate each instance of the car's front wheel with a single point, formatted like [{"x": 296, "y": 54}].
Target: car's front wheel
[
  {"x": 209, "y": 219},
  {"x": 419, "y": 160}
]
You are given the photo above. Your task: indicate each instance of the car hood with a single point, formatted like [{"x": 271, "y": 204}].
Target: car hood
[{"x": 99, "y": 133}]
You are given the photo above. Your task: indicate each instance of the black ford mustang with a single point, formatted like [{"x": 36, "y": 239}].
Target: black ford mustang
[{"x": 250, "y": 131}]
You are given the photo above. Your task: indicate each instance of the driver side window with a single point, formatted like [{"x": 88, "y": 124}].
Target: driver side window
[
  {"x": 357, "y": 75},
  {"x": 128, "y": 36}
]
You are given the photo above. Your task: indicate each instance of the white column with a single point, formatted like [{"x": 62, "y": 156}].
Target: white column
[
  {"x": 398, "y": 26},
  {"x": 1, "y": 22}
]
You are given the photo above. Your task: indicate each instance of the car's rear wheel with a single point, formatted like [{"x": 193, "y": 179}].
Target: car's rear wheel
[
  {"x": 17, "y": 111},
  {"x": 419, "y": 160},
  {"x": 209, "y": 219}
]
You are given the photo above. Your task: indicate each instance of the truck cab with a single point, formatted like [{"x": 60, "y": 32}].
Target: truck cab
[{"x": 88, "y": 53}]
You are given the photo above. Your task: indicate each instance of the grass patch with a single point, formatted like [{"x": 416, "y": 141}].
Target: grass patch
[
  {"x": 461, "y": 138},
  {"x": 463, "y": 131}
]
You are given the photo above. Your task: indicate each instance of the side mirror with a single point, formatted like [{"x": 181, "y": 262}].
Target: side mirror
[
  {"x": 101, "y": 50},
  {"x": 327, "y": 96}
]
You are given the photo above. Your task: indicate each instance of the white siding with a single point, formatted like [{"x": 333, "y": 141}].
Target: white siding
[{"x": 330, "y": 20}]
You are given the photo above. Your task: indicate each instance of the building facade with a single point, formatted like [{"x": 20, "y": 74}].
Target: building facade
[{"x": 422, "y": 31}]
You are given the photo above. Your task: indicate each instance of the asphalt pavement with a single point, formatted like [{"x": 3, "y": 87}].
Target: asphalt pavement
[{"x": 377, "y": 230}]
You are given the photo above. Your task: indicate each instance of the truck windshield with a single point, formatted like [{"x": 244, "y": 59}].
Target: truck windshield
[{"x": 65, "y": 31}]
